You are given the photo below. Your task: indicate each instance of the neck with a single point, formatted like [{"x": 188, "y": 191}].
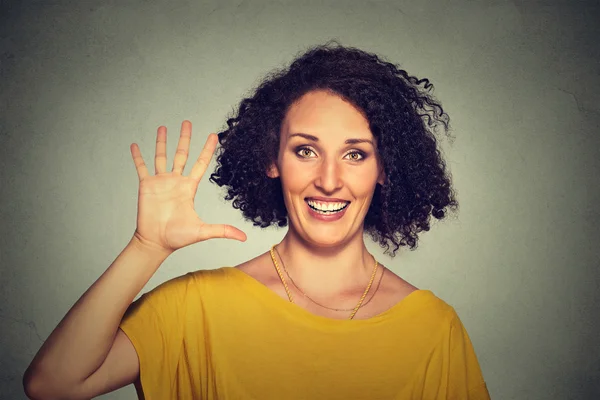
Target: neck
[{"x": 327, "y": 270}]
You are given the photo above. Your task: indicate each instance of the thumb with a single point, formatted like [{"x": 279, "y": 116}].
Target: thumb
[{"x": 209, "y": 231}]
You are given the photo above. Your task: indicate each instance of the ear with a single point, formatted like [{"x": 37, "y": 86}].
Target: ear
[
  {"x": 381, "y": 177},
  {"x": 273, "y": 171}
]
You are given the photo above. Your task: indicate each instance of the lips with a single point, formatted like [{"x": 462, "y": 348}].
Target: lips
[
  {"x": 327, "y": 207},
  {"x": 330, "y": 210}
]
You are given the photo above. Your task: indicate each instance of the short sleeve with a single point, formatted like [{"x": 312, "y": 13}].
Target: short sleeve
[
  {"x": 154, "y": 325},
  {"x": 465, "y": 380},
  {"x": 452, "y": 370}
]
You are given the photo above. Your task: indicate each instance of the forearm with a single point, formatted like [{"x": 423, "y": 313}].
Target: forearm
[{"x": 80, "y": 343}]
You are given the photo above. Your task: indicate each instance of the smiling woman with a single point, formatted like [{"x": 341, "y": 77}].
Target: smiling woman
[
  {"x": 329, "y": 174},
  {"x": 369, "y": 99},
  {"x": 338, "y": 145}
]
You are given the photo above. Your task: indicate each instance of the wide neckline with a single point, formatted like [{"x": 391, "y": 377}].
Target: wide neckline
[{"x": 271, "y": 296}]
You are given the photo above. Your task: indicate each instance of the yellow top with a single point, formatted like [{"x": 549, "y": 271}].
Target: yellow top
[{"x": 220, "y": 334}]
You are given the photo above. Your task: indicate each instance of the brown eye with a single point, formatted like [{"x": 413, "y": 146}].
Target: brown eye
[
  {"x": 304, "y": 152},
  {"x": 355, "y": 156}
]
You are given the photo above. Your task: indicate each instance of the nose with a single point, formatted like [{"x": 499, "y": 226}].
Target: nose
[{"x": 329, "y": 177}]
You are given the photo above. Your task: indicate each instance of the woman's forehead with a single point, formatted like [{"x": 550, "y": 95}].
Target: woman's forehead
[{"x": 321, "y": 112}]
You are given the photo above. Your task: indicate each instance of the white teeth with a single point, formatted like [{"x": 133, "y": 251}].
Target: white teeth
[{"x": 327, "y": 206}]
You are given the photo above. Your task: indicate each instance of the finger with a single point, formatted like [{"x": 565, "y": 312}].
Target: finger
[
  {"x": 206, "y": 154},
  {"x": 138, "y": 160},
  {"x": 211, "y": 231},
  {"x": 160, "y": 155},
  {"x": 183, "y": 147}
]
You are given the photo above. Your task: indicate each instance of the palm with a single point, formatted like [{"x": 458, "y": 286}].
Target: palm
[
  {"x": 166, "y": 210},
  {"x": 166, "y": 214}
]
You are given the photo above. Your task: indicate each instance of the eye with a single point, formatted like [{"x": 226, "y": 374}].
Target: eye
[
  {"x": 355, "y": 155},
  {"x": 304, "y": 152}
]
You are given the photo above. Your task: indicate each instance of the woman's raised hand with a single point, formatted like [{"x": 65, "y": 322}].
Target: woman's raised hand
[{"x": 166, "y": 217}]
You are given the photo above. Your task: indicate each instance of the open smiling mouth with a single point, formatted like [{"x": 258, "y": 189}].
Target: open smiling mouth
[{"x": 327, "y": 208}]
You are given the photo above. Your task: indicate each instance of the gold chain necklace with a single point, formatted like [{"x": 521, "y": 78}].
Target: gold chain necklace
[
  {"x": 287, "y": 290},
  {"x": 314, "y": 301}
]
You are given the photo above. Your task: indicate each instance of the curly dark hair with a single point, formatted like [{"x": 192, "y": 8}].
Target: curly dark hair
[{"x": 403, "y": 117}]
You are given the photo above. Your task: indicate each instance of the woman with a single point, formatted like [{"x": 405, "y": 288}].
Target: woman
[{"x": 338, "y": 145}]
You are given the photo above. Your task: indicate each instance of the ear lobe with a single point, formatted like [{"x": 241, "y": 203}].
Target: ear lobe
[
  {"x": 273, "y": 171},
  {"x": 381, "y": 178}
]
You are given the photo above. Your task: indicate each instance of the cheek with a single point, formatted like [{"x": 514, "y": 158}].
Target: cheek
[
  {"x": 361, "y": 181},
  {"x": 295, "y": 176}
]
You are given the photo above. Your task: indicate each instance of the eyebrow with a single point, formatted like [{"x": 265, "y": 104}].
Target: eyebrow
[{"x": 316, "y": 139}]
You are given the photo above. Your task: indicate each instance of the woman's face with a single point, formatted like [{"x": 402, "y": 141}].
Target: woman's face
[{"x": 328, "y": 166}]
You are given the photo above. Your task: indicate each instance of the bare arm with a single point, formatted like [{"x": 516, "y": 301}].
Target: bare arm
[
  {"x": 81, "y": 342},
  {"x": 86, "y": 354}
]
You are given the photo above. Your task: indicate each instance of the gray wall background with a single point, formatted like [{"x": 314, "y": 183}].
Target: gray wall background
[{"x": 80, "y": 81}]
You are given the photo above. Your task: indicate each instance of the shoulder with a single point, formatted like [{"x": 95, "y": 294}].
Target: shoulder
[
  {"x": 181, "y": 286},
  {"x": 254, "y": 268},
  {"x": 394, "y": 287},
  {"x": 421, "y": 307},
  {"x": 261, "y": 269},
  {"x": 397, "y": 287}
]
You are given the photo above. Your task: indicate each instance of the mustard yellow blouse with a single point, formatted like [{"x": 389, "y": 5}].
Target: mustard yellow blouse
[{"x": 220, "y": 334}]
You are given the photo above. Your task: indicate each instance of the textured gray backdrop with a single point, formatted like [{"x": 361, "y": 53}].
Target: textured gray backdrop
[{"x": 81, "y": 80}]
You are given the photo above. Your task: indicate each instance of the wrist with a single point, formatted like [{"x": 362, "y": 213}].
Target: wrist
[{"x": 146, "y": 247}]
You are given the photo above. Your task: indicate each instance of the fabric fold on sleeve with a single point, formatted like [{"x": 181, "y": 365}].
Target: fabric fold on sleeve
[
  {"x": 158, "y": 336},
  {"x": 465, "y": 379},
  {"x": 452, "y": 370}
]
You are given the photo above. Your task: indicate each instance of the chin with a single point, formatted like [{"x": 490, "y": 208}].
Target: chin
[
  {"x": 325, "y": 242},
  {"x": 324, "y": 239}
]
